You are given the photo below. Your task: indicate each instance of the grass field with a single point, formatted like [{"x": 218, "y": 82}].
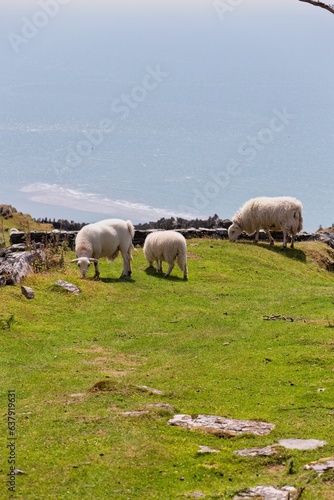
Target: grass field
[{"x": 75, "y": 363}]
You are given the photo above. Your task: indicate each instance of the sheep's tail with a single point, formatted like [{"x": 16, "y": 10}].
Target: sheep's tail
[
  {"x": 131, "y": 229},
  {"x": 300, "y": 221}
]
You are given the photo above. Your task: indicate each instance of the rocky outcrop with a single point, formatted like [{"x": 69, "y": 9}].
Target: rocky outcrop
[{"x": 15, "y": 263}]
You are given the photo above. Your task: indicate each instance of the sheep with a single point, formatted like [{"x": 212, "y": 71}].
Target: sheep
[
  {"x": 104, "y": 239},
  {"x": 166, "y": 246},
  {"x": 266, "y": 213}
]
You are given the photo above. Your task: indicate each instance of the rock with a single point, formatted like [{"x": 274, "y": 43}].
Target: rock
[
  {"x": 268, "y": 493},
  {"x": 27, "y": 292},
  {"x": 14, "y": 266},
  {"x": 136, "y": 413},
  {"x": 301, "y": 444},
  {"x": 267, "y": 451},
  {"x": 68, "y": 286},
  {"x": 321, "y": 466},
  {"x": 207, "y": 449},
  {"x": 150, "y": 389},
  {"x": 163, "y": 406},
  {"x": 222, "y": 426}
]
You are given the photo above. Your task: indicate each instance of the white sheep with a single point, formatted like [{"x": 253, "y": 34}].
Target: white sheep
[
  {"x": 280, "y": 213},
  {"x": 166, "y": 246},
  {"x": 104, "y": 239}
]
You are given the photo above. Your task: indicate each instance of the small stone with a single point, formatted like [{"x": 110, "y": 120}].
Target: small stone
[
  {"x": 68, "y": 286},
  {"x": 163, "y": 406},
  {"x": 150, "y": 389},
  {"x": 268, "y": 493},
  {"x": 207, "y": 449},
  {"x": 301, "y": 444},
  {"x": 27, "y": 292},
  {"x": 136, "y": 413},
  {"x": 321, "y": 465},
  {"x": 267, "y": 451}
]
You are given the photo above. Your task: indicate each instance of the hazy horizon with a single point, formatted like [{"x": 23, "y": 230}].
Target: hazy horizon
[{"x": 143, "y": 110}]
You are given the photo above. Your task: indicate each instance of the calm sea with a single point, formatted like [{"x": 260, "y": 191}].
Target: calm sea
[{"x": 145, "y": 110}]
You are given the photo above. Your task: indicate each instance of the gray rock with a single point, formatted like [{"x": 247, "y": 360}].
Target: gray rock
[
  {"x": 267, "y": 451},
  {"x": 14, "y": 266},
  {"x": 163, "y": 406},
  {"x": 301, "y": 444},
  {"x": 207, "y": 449},
  {"x": 150, "y": 389},
  {"x": 27, "y": 292},
  {"x": 68, "y": 286},
  {"x": 321, "y": 465},
  {"x": 135, "y": 413},
  {"x": 268, "y": 493},
  {"x": 222, "y": 426}
]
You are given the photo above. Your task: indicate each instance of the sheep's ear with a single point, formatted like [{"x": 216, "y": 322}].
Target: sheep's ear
[
  {"x": 93, "y": 260},
  {"x": 74, "y": 260}
]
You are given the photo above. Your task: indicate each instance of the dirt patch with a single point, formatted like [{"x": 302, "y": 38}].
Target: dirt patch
[
  {"x": 191, "y": 255},
  {"x": 104, "y": 386}
]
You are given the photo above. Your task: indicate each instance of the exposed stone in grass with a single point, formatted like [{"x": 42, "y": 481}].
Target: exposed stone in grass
[
  {"x": 301, "y": 444},
  {"x": 321, "y": 466},
  {"x": 163, "y": 406},
  {"x": 268, "y": 493},
  {"x": 150, "y": 389},
  {"x": 221, "y": 426},
  {"x": 267, "y": 451},
  {"x": 27, "y": 292},
  {"x": 195, "y": 494},
  {"x": 207, "y": 449},
  {"x": 16, "y": 265},
  {"x": 135, "y": 413},
  {"x": 68, "y": 286}
]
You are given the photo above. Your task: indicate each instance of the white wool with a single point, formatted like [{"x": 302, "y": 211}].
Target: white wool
[
  {"x": 105, "y": 238},
  {"x": 166, "y": 246},
  {"x": 266, "y": 213}
]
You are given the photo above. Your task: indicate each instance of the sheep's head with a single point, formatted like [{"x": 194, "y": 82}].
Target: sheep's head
[
  {"x": 234, "y": 231},
  {"x": 83, "y": 264}
]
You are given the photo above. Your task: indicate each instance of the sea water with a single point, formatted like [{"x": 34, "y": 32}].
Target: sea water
[{"x": 142, "y": 111}]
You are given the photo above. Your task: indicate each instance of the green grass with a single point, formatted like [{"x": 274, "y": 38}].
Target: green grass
[{"x": 203, "y": 342}]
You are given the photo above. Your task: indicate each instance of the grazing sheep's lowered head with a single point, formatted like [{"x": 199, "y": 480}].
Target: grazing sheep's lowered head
[
  {"x": 234, "y": 231},
  {"x": 83, "y": 264}
]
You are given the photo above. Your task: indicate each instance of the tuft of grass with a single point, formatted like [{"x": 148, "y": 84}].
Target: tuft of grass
[{"x": 84, "y": 428}]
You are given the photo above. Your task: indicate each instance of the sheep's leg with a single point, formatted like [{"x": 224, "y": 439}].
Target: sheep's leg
[
  {"x": 97, "y": 272},
  {"x": 159, "y": 266},
  {"x": 293, "y": 237},
  {"x": 126, "y": 265},
  {"x": 256, "y": 239},
  {"x": 271, "y": 239},
  {"x": 170, "y": 269},
  {"x": 285, "y": 238}
]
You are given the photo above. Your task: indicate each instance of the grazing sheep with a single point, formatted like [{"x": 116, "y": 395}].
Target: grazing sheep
[
  {"x": 166, "y": 246},
  {"x": 266, "y": 213},
  {"x": 104, "y": 239}
]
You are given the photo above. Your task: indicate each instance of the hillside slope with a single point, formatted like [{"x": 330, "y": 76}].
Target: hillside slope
[{"x": 248, "y": 336}]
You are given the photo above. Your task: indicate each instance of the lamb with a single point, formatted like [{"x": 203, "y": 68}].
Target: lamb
[
  {"x": 166, "y": 246},
  {"x": 104, "y": 239},
  {"x": 266, "y": 213}
]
